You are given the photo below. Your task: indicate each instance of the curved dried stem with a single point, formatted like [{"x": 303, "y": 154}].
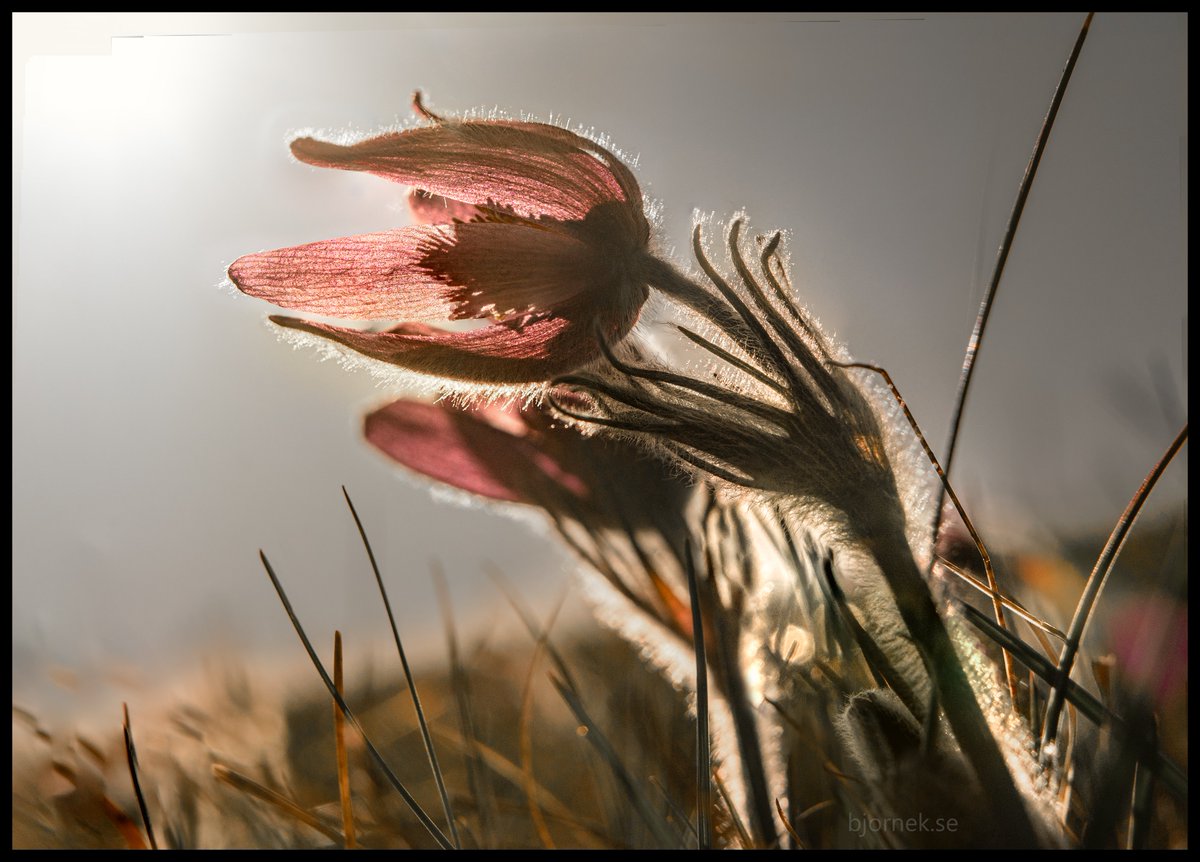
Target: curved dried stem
[
  {"x": 1010, "y": 604},
  {"x": 1095, "y": 583},
  {"x": 1010, "y": 232}
]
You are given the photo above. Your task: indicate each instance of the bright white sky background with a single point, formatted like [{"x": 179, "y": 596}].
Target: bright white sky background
[{"x": 161, "y": 434}]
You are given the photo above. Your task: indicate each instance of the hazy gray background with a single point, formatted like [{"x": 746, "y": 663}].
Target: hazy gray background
[{"x": 161, "y": 434}]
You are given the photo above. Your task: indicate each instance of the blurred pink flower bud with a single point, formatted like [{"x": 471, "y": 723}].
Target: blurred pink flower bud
[{"x": 1150, "y": 638}]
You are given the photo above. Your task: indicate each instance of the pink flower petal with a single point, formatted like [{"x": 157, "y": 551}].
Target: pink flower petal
[
  {"x": 533, "y": 169},
  {"x": 495, "y": 354},
  {"x": 428, "y": 208},
  {"x": 462, "y": 449},
  {"x": 428, "y": 273},
  {"x": 524, "y": 455},
  {"x": 375, "y": 275}
]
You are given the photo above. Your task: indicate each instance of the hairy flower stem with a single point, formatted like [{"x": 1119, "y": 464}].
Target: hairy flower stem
[
  {"x": 894, "y": 558},
  {"x": 824, "y": 445},
  {"x": 726, "y": 650}
]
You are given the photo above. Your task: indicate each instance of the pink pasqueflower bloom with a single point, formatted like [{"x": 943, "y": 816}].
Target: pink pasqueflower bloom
[
  {"x": 616, "y": 505},
  {"x": 522, "y": 454},
  {"x": 528, "y": 226}
]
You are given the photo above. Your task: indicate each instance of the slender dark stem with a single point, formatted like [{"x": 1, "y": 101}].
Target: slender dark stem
[
  {"x": 1016, "y": 607},
  {"x": 339, "y": 742},
  {"x": 430, "y": 752},
  {"x": 131, "y": 759},
  {"x": 1141, "y": 812},
  {"x": 1095, "y": 583},
  {"x": 1010, "y": 232},
  {"x": 703, "y": 750},
  {"x": 671, "y": 804}
]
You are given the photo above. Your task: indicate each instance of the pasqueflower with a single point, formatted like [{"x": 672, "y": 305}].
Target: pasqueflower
[
  {"x": 621, "y": 509},
  {"x": 528, "y": 226},
  {"x": 516, "y": 454}
]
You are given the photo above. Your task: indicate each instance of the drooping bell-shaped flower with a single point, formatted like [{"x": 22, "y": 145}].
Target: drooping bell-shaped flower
[
  {"x": 528, "y": 226},
  {"x": 515, "y": 454}
]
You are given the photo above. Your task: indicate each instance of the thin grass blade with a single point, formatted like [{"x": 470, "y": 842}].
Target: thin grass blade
[
  {"x": 658, "y": 827},
  {"x": 339, "y": 741},
  {"x": 1141, "y": 814},
  {"x": 481, "y": 788},
  {"x": 525, "y": 742},
  {"x": 249, "y": 786},
  {"x": 1095, "y": 583},
  {"x": 503, "y": 768},
  {"x": 430, "y": 752},
  {"x": 131, "y": 759},
  {"x": 703, "y": 747},
  {"x": 391, "y": 776},
  {"x": 1010, "y": 232}
]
